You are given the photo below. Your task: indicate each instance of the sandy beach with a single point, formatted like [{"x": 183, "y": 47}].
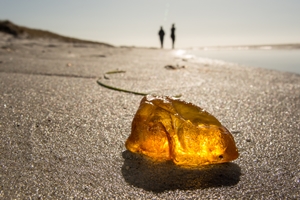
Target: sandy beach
[{"x": 62, "y": 134}]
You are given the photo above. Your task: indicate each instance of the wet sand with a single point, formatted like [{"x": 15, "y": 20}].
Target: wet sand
[{"x": 62, "y": 134}]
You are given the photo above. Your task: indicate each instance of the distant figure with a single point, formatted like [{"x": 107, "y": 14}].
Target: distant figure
[
  {"x": 173, "y": 35},
  {"x": 161, "y": 34}
]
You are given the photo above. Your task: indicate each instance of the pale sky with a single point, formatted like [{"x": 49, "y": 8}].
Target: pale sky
[{"x": 136, "y": 22}]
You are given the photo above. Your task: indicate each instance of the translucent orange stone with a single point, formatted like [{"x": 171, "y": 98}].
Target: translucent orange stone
[{"x": 165, "y": 128}]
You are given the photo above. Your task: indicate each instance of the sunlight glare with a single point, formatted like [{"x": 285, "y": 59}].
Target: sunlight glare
[{"x": 180, "y": 52}]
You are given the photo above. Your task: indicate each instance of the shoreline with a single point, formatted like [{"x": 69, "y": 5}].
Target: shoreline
[{"x": 63, "y": 135}]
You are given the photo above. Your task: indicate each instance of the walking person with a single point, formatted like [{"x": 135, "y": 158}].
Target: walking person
[
  {"x": 161, "y": 34},
  {"x": 173, "y": 35}
]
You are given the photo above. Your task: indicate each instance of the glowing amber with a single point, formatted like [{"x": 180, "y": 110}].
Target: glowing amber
[{"x": 170, "y": 129}]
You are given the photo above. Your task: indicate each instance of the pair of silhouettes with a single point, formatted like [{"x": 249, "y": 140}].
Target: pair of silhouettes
[{"x": 161, "y": 34}]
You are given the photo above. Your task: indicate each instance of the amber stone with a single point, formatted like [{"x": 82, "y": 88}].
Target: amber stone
[{"x": 166, "y": 128}]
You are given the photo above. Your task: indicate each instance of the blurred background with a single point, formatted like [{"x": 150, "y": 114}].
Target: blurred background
[{"x": 198, "y": 24}]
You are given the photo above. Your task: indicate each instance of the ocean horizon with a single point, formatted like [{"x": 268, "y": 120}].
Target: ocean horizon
[{"x": 280, "y": 59}]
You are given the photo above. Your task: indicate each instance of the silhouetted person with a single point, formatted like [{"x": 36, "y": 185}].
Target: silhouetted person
[
  {"x": 161, "y": 34},
  {"x": 173, "y": 35}
]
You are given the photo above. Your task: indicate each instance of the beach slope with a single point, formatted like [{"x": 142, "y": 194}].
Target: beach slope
[{"x": 63, "y": 135}]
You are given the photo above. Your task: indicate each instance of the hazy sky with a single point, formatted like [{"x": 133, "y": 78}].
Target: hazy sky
[{"x": 137, "y": 22}]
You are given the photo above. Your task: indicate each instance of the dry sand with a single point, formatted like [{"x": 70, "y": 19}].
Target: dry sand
[{"x": 62, "y": 135}]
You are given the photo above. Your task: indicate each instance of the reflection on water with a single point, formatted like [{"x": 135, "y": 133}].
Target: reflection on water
[{"x": 276, "y": 59}]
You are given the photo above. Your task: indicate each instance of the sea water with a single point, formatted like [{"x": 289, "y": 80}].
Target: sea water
[{"x": 287, "y": 60}]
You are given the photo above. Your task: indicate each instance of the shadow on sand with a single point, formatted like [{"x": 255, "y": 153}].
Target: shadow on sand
[{"x": 158, "y": 177}]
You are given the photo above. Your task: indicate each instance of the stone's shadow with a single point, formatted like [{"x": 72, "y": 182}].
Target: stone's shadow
[{"x": 158, "y": 177}]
